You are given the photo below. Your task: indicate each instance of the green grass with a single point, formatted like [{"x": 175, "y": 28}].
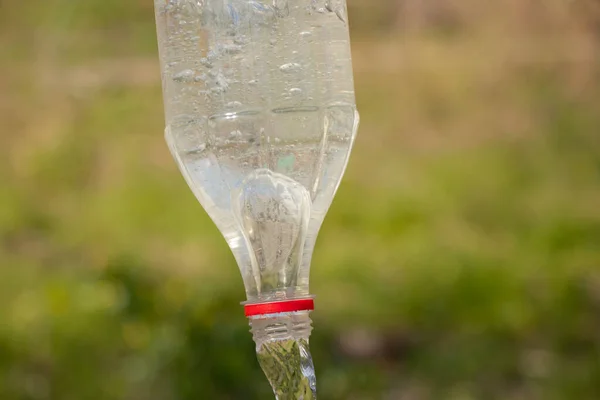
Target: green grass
[{"x": 464, "y": 239}]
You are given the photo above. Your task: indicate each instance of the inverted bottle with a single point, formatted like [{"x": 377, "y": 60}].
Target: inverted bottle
[{"x": 261, "y": 118}]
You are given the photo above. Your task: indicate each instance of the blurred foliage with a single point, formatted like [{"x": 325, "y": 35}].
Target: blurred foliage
[{"x": 460, "y": 259}]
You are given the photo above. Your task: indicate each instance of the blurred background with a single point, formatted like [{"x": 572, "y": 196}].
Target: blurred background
[{"x": 460, "y": 259}]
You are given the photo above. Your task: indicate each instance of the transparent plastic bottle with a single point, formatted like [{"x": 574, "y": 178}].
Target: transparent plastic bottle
[{"x": 261, "y": 118}]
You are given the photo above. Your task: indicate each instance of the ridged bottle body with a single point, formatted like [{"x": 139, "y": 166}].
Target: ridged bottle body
[{"x": 261, "y": 117}]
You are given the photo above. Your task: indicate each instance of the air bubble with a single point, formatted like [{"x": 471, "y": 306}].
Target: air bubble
[
  {"x": 282, "y": 8},
  {"x": 319, "y": 6},
  {"x": 232, "y": 49},
  {"x": 222, "y": 81},
  {"x": 186, "y": 75},
  {"x": 206, "y": 62},
  {"x": 213, "y": 54},
  {"x": 338, "y": 7},
  {"x": 290, "y": 68},
  {"x": 241, "y": 40},
  {"x": 200, "y": 78}
]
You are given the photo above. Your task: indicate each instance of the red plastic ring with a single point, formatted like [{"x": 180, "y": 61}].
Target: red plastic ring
[{"x": 276, "y": 307}]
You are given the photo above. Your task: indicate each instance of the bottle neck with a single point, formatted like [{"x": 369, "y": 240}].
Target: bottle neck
[
  {"x": 282, "y": 326},
  {"x": 283, "y": 353}
]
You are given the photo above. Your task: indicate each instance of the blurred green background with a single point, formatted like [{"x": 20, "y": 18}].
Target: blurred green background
[{"x": 460, "y": 259}]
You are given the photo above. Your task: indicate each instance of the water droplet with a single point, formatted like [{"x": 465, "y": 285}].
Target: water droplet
[
  {"x": 290, "y": 68},
  {"x": 272, "y": 41},
  {"x": 277, "y": 140},
  {"x": 186, "y": 75},
  {"x": 235, "y": 134},
  {"x": 253, "y": 82},
  {"x": 295, "y": 91},
  {"x": 305, "y": 34},
  {"x": 233, "y": 104}
]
